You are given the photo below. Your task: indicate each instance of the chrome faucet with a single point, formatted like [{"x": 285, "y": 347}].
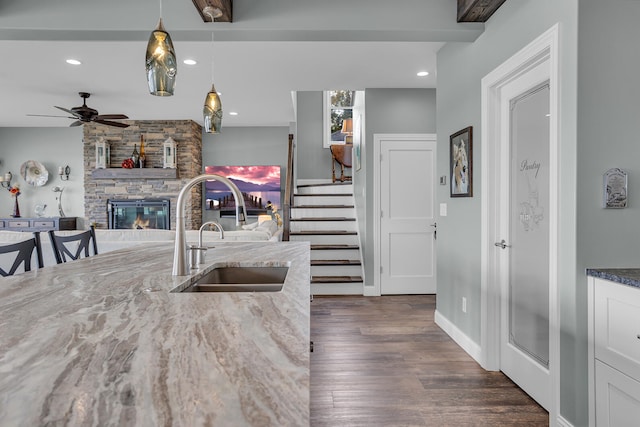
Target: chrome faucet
[
  {"x": 214, "y": 223},
  {"x": 180, "y": 248},
  {"x": 201, "y": 250}
]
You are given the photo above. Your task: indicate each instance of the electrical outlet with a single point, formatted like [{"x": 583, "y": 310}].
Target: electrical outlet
[{"x": 464, "y": 305}]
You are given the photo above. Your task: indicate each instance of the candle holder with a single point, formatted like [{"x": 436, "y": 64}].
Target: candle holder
[
  {"x": 64, "y": 172},
  {"x": 5, "y": 180}
]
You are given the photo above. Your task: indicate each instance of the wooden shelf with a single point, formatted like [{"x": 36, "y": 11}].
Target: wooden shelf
[{"x": 135, "y": 173}]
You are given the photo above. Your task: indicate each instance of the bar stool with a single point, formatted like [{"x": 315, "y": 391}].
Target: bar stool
[{"x": 24, "y": 253}]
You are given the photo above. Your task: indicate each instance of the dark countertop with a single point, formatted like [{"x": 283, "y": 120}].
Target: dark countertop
[{"x": 626, "y": 276}]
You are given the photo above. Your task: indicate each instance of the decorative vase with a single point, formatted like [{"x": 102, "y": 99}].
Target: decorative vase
[{"x": 16, "y": 209}]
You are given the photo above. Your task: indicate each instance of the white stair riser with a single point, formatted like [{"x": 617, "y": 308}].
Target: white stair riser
[
  {"x": 323, "y": 225},
  {"x": 322, "y": 200},
  {"x": 326, "y": 239},
  {"x": 326, "y": 189},
  {"x": 335, "y": 254},
  {"x": 336, "y": 270},
  {"x": 336, "y": 289},
  {"x": 323, "y": 212}
]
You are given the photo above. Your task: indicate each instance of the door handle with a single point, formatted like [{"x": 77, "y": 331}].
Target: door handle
[
  {"x": 435, "y": 230},
  {"x": 502, "y": 244}
]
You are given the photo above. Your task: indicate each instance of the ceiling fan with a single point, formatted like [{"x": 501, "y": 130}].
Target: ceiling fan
[{"x": 85, "y": 114}]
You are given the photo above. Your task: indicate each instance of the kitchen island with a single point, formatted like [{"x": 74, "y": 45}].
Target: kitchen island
[{"x": 103, "y": 341}]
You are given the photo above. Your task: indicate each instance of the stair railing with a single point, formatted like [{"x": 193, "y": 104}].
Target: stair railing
[{"x": 288, "y": 193}]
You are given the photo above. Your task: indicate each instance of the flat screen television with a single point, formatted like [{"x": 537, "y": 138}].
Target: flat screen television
[{"x": 258, "y": 184}]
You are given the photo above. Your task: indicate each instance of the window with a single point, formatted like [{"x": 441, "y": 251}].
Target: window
[{"x": 338, "y": 106}]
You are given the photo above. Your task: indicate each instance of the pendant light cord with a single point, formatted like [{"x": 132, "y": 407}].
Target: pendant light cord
[
  {"x": 160, "y": 9},
  {"x": 212, "y": 57}
]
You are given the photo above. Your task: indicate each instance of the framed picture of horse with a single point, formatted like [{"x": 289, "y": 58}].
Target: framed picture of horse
[{"x": 461, "y": 160}]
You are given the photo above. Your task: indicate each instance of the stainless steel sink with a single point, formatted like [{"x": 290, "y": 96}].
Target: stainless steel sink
[{"x": 241, "y": 279}]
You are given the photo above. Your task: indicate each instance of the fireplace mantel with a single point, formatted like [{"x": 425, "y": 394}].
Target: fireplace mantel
[{"x": 135, "y": 173}]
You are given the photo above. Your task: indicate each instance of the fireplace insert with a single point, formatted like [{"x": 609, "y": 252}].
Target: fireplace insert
[{"x": 139, "y": 214}]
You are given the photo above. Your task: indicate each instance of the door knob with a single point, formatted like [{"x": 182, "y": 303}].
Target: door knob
[{"x": 502, "y": 244}]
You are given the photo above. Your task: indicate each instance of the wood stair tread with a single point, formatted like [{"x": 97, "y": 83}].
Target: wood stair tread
[
  {"x": 335, "y": 262},
  {"x": 325, "y": 195},
  {"x": 336, "y": 279},
  {"x": 323, "y": 207},
  {"x": 321, "y": 247},
  {"x": 325, "y": 184},
  {"x": 332, "y": 218},
  {"x": 323, "y": 233}
]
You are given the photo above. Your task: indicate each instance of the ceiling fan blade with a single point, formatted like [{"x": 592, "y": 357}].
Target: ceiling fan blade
[
  {"x": 110, "y": 116},
  {"x": 76, "y": 123},
  {"x": 110, "y": 123},
  {"x": 69, "y": 111},
  {"x": 48, "y": 115}
]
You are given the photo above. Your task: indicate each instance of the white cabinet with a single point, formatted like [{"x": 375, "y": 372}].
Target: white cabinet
[{"x": 614, "y": 354}]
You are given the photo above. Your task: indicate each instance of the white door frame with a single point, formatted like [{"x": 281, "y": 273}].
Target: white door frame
[
  {"x": 377, "y": 144},
  {"x": 543, "y": 49}
]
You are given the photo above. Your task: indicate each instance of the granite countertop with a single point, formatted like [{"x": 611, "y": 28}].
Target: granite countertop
[
  {"x": 626, "y": 276},
  {"x": 103, "y": 341}
]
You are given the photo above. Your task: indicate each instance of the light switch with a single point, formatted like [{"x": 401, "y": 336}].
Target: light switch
[{"x": 443, "y": 209}]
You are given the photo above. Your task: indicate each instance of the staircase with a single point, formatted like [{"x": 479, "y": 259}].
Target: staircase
[{"x": 324, "y": 215}]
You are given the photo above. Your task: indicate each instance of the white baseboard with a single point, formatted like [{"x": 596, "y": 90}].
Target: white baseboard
[
  {"x": 562, "y": 422},
  {"x": 459, "y": 337}
]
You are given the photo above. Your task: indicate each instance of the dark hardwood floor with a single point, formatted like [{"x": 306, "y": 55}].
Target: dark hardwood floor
[{"x": 382, "y": 361}]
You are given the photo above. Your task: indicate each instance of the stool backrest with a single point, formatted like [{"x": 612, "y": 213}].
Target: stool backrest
[
  {"x": 73, "y": 246},
  {"x": 24, "y": 252}
]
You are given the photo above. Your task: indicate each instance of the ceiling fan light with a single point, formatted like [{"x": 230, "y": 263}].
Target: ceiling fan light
[
  {"x": 161, "y": 63},
  {"x": 212, "y": 112}
]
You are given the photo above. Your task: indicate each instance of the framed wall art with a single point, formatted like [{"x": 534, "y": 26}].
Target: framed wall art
[
  {"x": 615, "y": 189},
  {"x": 461, "y": 162}
]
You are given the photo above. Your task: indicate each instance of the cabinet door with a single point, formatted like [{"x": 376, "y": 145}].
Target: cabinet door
[
  {"x": 617, "y": 326},
  {"x": 617, "y": 398}
]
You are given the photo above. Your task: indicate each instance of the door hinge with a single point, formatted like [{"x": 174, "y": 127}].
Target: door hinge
[
  {"x": 381, "y": 214},
  {"x": 381, "y": 269},
  {"x": 381, "y": 157}
]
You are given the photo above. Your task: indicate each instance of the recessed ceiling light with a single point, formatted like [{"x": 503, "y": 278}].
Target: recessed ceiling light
[
  {"x": 190, "y": 61},
  {"x": 233, "y": 113},
  {"x": 73, "y": 62},
  {"x": 423, "y": 73}
]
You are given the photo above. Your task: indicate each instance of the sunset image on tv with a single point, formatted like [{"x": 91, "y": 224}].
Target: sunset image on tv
[{"x": 258, "y": 184}]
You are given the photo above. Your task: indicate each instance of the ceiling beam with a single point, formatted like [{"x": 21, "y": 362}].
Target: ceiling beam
[
  {"x": 477, "y": 10},
  {"x": 224, "y": 8}
]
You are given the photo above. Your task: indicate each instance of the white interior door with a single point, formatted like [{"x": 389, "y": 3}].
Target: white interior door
[
  {"x": 407, "y": 217},
  {"x": 524, "y": 240}
]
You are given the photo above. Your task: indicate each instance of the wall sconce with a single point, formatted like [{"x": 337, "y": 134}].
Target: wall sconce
[
  {"x": 347, "y": 129},
  {"x": 5, "y": 180},
  {"x": 64, "y": 172}
]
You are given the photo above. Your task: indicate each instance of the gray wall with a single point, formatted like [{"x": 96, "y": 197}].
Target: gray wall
[
  {"x": 460, "y": 69},
  {"x": 53, "y": 147},
  {"x": 314, "y": 161},
  {"x": 245, "y": 146},
  {"x": 389, "y": 111}
]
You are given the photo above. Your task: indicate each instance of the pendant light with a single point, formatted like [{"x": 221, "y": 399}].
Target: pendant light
[
  {"x": 161, "y": 61},
  {"x": 212, "y": 111}
]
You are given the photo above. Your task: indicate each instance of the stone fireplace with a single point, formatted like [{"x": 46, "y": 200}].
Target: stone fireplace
[{"x": 151, "y": 182}]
